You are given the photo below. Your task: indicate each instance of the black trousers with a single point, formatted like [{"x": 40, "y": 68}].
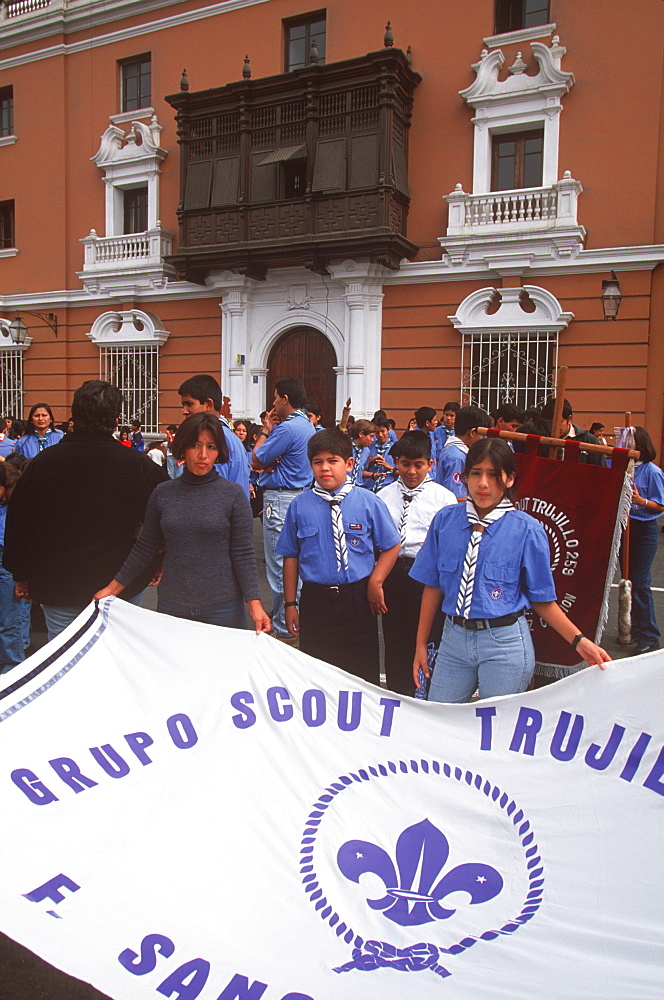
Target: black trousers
[
  {"x": 403, "y": 597},
  {"x": 338, "y": 626}
]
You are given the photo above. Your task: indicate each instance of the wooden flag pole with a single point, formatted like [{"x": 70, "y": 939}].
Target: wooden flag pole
[
  {"x": 598, "y": 449},
  {"x": 625, "y": 585},
  {"x": 561, "y": 385}
]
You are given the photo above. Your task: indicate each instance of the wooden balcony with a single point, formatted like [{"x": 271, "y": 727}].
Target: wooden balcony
[{"x": 304, "y": 168}]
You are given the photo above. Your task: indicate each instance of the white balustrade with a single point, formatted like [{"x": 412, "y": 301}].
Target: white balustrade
[
  {"x": 526, "y": 209},
  {"x": 136, "y": 249},
  {"x": 14, "y": 8}
]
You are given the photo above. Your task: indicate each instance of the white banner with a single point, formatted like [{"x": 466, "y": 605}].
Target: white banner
[{"x": 189, "y": 811}]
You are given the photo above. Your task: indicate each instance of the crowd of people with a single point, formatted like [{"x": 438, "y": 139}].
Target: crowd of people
[{"x": 358, "y": 523}]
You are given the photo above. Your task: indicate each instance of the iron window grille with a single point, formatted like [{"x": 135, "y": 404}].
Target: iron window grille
[
  {"x": 499, "y": 367},
  {"x": 11, "y": 383},
  {"x": 135, "y": 371}
]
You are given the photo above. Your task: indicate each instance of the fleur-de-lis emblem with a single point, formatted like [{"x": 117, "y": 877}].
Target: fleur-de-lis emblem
[{"x": 421, "y": 853}]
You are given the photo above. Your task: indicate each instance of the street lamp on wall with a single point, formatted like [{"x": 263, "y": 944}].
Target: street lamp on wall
[
  {"x": 611, "y": 297},
  {"x": 18, "y": 330}
]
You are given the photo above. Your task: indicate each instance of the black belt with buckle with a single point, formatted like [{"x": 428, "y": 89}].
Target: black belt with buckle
[
  {"x": 337, "y": 588},
  {"x": 479, "y": 624}
]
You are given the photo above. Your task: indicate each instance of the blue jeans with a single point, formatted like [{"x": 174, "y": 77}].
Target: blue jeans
[
  {"x": 499, "y": 661},
  {"x": 643, "y": 536},
  {"x": 231, "y": 614},
  {"x": 275, "y": 505},
  {"x": 58, "y": 618},
  {"x": 12, "y": 649}
]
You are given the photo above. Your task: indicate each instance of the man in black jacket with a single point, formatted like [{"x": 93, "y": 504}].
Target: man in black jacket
[{"x": 77, "y": 509}]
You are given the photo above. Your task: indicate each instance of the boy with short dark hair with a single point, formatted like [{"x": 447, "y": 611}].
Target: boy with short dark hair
[
  {"x": 453, "y": 459},
  {"x": 445, "y": 429},
  {"x": 412, "y": 502},
  {"x": 426, "y": 420},
  {"x": 362, "y": 434},
  {"x": 379, "y": 469},
  {"x": 137, "y": 441},
  {"x": 329, "y": 537}
]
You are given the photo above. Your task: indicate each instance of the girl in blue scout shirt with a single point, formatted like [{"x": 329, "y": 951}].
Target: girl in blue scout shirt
[
  {"x": 40, "y": 432},
  {"x": 647, "y": 505},
  {"x": 488, "y": 562}
]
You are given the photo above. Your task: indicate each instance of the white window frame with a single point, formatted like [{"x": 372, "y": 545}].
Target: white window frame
[
  {"x": 11, "y": 371},
  {"x": 519, "y": 103},
  {"x": 130, "y": 161},
  {"x": 490, "y": 340},
  {"x": 130, "y": 340}
]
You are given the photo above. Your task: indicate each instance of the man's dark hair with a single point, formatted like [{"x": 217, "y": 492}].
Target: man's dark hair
[
  {"x": 452, "y": 406},
  {"x": 190, "y": 430},
  {"x": 17, "y": 459},
  {"x": 202, "y": 387},
  {"x": 380, "y": 421},
  {"x": 312, "y": 406},
  {"x": 469, "y": 417},
  {"x": 412, "y": 444},
  {"x": 135, "y": 423},
  {"x": 550, "y": 405},
  {"x": 423, "y": 414},
  {"x": 508, "y": 412},
  {"x": 96, "y": 407},
  {"x": 172, "y": 427},
  {"x": 332, "y": 440},
  {"x": 294, "y": 389}
]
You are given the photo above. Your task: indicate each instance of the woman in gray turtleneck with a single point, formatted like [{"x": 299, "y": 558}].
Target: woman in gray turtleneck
[{"x": 203, "y": 523}]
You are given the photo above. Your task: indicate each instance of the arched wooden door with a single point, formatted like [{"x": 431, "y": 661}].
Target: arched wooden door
[{"x": 307, "y": 354}]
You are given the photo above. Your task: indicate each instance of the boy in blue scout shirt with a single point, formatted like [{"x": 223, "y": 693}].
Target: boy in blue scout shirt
[
  {"x": 362, "y": 435},
  {"x": 452, "y": 459},
  {"x": 427, "y": 421},
  {"x": 379, "y": 470},
  {"x": 329, "y": 536}
]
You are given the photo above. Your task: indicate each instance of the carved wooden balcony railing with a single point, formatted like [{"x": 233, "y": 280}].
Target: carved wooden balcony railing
[{"x": 297, "y": 169}]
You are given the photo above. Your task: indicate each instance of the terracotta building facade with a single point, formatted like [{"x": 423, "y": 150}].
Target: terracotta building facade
[{"x": 404, "y": 213}]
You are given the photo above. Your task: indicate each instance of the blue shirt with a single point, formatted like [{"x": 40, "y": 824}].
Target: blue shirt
[
  {"x": 3, "y": 518},
  {"x": 7, "y": 447},
  {"x": 237, "y": 467},
  {"x": 360, "y": 458},
  {"x": 451, "y": 464},
  {"x": 287, "y": 443},
  {"x": 389, "y": 477},
  {"x": 137, "y": 441},
  {"x": 649, "y": 480},
  {"x": 31, "y": 444},
  {"x": 442, "y": 435},
  {"x": 307, "y": 536},
  {"x": 513, "y": 562}
]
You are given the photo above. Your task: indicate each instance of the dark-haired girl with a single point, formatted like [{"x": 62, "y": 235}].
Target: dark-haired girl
[
  {"x": 40, "y": 433},
  {"x": 203, "y": 523},
  {"x": 488, "y": 562},
  {"x": 647, "y": 505}
]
